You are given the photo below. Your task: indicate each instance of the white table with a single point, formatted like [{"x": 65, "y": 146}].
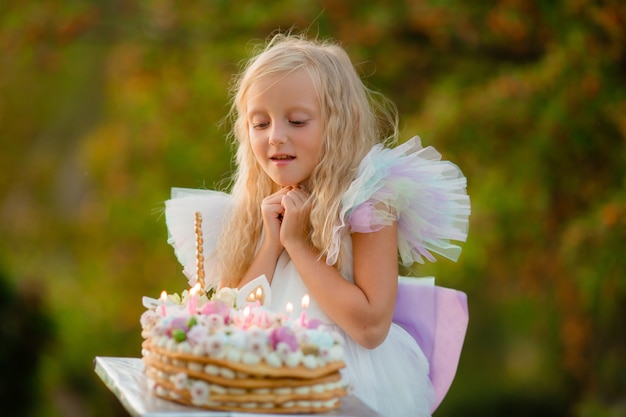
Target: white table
[{"x": 125, "y": 378}]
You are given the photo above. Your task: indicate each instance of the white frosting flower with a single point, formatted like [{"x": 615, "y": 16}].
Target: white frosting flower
[
  {"x": 214, "y": 322},
  {"x": 238, "y": 340},
  {"x": 283, "y": 350},
  {"x": 179, "y": 380},
  {"x": 214, "y": 345},
  {"x": 233, "y": 355},
  {"x": 293, "y": 359},
  {"x": 159, "y": 329},
  {"x": 302, "y": 390},
  {"x": 256, "y": 341},
  {"x": 199, "y": 391},
  {"x": 336, "y": 353},
  {"x": 198, "y": 350},
  {"x": 149, "y": 318},
  {"x": 227, "y": 373},
  {"x": 337, "y": 337},
  {"x": 227, "y": 295},
  {"x": 183, "y": 347},
  {"x": 318, "y": 388},
  {"x": 250, "y": 358},
  {"x": 195, "y": 366},
  {"x": 321, "y": 339},
  {"x": 218, "y": 389},
  {"x": 283, "y": 390},
  {"x": 273, "y": 360},
  {"x": 310, "y": 361},
  {"x": 212, "y": 369}
]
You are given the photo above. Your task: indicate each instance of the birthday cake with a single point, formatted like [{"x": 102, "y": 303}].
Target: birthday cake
[{"x": 225, "y": 351}]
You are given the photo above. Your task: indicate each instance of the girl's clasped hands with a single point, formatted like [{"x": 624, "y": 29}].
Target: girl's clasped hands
[{"x": 286, "y": 217}]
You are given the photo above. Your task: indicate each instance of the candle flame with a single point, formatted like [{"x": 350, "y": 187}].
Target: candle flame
[
  {"x": 163, "y": 296},
  {"x": 305, "y": 301},
  {"x": 246, "y": 311},
  {"x": 289, "y": 308},
  {"x": 194, "y": 290}
]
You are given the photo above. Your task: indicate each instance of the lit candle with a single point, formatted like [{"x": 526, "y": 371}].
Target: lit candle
[
  {"x": 193, "y": 299},
  {"x": 305, "y": 304},
  {"x": 289, "y": 309},
  {"x": 163, "y": 299},
  {"x": 247, "y": 317},
  {"x": 259, "y": 295}
]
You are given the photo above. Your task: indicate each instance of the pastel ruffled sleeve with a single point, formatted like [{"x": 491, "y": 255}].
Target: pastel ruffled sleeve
[
  {"x": 410, "y": 184},
  {"x": 180, "y": 220}
]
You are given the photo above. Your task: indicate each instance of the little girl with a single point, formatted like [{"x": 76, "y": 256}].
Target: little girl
[{"x": 321, "y": 206}]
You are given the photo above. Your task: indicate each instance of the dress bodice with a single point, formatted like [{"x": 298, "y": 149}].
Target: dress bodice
[{"x": 287, "y": 287}]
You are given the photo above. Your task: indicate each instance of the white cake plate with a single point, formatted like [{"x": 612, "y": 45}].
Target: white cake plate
[{"x": 125, "y": 378}]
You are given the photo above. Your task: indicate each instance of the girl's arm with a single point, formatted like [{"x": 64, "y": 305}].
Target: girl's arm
[
  {"x": 364, "y": 309},
  {"x": 264, "y": 263},
  {"x": 265, "y": 260}
]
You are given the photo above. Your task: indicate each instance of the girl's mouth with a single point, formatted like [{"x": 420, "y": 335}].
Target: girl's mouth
[{"x": 282, "y": 157}]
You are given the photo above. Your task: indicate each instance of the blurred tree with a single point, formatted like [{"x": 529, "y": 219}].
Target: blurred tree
[{"x": 104, "y": 106}]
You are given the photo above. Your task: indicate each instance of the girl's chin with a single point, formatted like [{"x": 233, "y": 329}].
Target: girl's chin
[{"x": 292, "y": 184}]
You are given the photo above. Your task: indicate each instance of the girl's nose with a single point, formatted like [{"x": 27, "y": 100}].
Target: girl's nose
[{"x": 277, "y": 136}]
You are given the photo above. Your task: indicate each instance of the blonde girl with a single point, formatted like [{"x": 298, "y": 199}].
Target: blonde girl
[{"x": 321, "y": 204}]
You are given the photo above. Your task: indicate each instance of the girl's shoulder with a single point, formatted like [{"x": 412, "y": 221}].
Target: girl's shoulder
[{"x": 412, "y": 185}]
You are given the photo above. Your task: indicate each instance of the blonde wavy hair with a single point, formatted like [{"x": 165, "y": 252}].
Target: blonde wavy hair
[{"x": 354, "y": 118}]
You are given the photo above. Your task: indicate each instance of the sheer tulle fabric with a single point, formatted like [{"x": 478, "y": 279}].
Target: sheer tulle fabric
[
  {"x": 180, "y": 220},
  {"x": 412, "y": 185}
]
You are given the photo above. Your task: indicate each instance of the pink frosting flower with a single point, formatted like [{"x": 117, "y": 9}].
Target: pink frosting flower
[
  {"x": 313, "y": 324},
  {"x": 177, "y": 326},
  {"x": 216, "y": 307},
  {"x": 284, "y": 335},
  {"x": 196, "y": 335}
]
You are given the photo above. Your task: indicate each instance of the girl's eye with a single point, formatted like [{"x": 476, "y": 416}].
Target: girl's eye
[
  {"x": 260, "y": 125},
  {"x": 298, "y": 122}
]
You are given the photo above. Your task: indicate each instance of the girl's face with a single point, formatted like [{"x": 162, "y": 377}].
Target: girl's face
[{"x": 284, "y": 126}]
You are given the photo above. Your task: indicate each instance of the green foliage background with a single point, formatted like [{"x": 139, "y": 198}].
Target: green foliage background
[{"x": 104, "y": 106}]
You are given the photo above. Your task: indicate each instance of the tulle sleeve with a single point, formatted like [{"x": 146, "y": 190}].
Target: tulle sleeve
[
  {"x": 180, "y": 220},
  {"x": 410, "y": 184}
]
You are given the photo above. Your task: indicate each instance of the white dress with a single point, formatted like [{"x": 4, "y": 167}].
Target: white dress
[{"x": 430, "y": 205}]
